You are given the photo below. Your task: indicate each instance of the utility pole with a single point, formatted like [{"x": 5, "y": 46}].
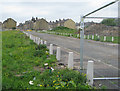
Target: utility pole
[{"x": 81, "y": 43}]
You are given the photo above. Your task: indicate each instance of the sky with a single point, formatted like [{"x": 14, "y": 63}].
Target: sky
[{"x": 51, "y": 10}]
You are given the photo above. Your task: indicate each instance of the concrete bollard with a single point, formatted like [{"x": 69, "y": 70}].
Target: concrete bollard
[
  {"x": 77, "y": 35},
  {"x": 45, "y": 42},
  {"x": 84, "y": 36},
  {"x": 70, "y": 60},
  {"x": 92, "y": 37},
  {"x": 90, "y": 72},
  {"x": 112, "y": 39},
  {"x": 51, "y": 49},
  {"x": 34, "y": 38},
  {"x": 38, "y": 42},
  {"x": 104, "y": 38},
  {"x": 30, "y": 36},
  {"x": 58, "y": 54},
  {"x": 98, "y": 37},
  {"x": 88, "y": 36},
  {"x": 41, "y": 41}
]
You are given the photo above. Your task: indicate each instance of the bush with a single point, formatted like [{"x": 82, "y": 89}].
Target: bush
[
  {"x": 13, "y": 28},
  {"x": 41, "y": 47},
  {"x": 109, "y": 22}
]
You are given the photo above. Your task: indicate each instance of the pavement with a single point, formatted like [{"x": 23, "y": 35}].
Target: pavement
[{"x": 104, "y": 55}]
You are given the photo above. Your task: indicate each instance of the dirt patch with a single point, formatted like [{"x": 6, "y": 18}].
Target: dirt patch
[
  {"x": 37, "y": 68},
  {"x": 102, "y": 30}
]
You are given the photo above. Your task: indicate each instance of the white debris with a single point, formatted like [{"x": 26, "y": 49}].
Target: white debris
[
  {"x": 46, "y": 51},
  {"x": 31, "y": 82},
  {"x": 52, "y": 69},
  {"x": 34, "y": 78},
  {"x": 46, "y": 64}
]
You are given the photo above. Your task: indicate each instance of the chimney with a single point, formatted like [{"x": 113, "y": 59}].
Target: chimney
[{"x": 59, "y": 19}]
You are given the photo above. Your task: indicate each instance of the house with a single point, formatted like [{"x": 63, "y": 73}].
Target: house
[
  {"x": 69, "y": 23},
  {"x": 41, "y": 24},
  {"x": 0, "y": 25},
  {"x": 9, "y": 23}
]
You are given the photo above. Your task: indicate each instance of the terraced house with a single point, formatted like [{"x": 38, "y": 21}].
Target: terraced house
[
  {"x": 9, "y": 24},
  {"x": 41, "y": 24},
  {"x": 69, "y": 23},
  {"x": 0, "y": 25}
]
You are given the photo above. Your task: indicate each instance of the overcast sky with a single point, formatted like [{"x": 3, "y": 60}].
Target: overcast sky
[{"x": 22, "y": 10}]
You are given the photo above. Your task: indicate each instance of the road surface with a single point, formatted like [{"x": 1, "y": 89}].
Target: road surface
[{"x": 104, "y": 55}]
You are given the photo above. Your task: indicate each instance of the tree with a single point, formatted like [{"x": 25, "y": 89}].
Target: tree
[{"x": 109, "y": 22}]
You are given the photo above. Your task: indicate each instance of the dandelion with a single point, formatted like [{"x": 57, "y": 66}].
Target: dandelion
[
  {"x": 84, "y": 74},
  {"x": 58, "y": 72},
  {"x": 54, "y": 81},
  {"x": 40, "y": 85},
  {"x": 56, "y": 87}
]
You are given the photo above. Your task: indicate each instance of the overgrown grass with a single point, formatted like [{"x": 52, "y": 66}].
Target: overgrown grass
[
  {"x": 71, "y": 32},
  {"x": 23, "y": 66},
  {"x": 64, "y": 30},
  {"x": 19, "y": 56},
  {"x": 101, "y": 38}
]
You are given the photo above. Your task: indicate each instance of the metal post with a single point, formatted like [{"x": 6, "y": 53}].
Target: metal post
[{"x": 81, "y": 43}]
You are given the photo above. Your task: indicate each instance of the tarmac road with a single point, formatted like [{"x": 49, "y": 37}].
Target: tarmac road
[
  {"x": 98, "y": 51},
  {"x": 104, "y": 55}
]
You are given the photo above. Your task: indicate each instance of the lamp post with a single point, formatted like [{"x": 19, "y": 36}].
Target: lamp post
[{"x": 81, "y": 43}]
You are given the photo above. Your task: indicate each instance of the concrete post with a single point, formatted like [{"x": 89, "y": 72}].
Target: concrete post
[
  {"x": 112, "y": 39},
  {"x": 34, "y": 38},
  {"x": 58, "y": 54},
  {"x": 38, "y": 41},
  {"x": 77, "y": 35},
  {"x": 104, "y": 38},
  {"x": 98, "y": 37},
  {"x": 92, "y": 37},
  {"x": 41, "y": 41},
  {"x": 84, "y": 36},
  {"x": 51, "y": 49},
  {"x": 30, "y": 36},
  {"x": 70, "y": 60},
  {"x": 45, "y": 42},
  {"x": 88, "y": 36},
  {"x": 90, "y": 72}
]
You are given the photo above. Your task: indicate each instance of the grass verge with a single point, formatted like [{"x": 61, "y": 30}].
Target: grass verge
[{"x": 23, "y": 66}]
